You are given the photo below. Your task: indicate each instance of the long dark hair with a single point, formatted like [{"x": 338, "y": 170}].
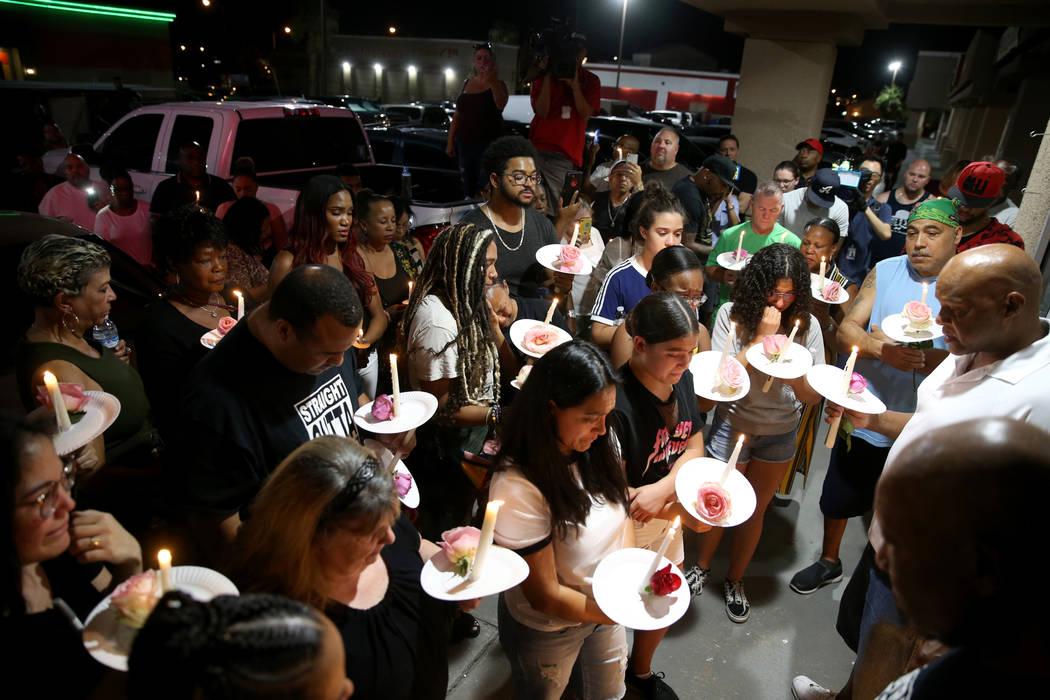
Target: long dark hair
[
  {"x": 660, "y": 317},
  {"x": 310, "y": 228},
  {"x": 566, "y": 376},
  {"x": 656, "y": 200},
  {"x": 759, "y": 279},
  {"x": 669, "y": 262}
]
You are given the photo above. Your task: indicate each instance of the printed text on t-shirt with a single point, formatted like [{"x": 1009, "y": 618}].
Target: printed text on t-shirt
[
  {"x": 328, "y": 410},
  {"x": 667, "y": 446}
]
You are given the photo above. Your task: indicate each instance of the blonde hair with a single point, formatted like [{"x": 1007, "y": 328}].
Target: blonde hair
[{"x": 56, "y": 264}]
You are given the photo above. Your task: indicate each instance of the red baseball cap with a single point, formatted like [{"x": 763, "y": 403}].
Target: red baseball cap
[
  {"x": 811, "y": 143},
  {"x": 979, "y": 184}
]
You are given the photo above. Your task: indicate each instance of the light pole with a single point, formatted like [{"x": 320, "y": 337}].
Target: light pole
[
  {"x": 895, "y": 66},
  {"x": 619, "y": 56}
]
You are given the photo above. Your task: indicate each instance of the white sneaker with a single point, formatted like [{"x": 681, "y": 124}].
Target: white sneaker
[{"x": 804, "y": 688}]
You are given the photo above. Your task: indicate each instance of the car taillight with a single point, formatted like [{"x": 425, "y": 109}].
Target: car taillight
[
  {"x": 302, "y": 112},
  {"x": 426, "y": 234}
]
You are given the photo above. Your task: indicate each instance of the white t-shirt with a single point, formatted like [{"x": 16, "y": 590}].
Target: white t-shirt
[
  {"x": 70, "y": 203},
  {"x": 431, "y": 329},
  {"x": 798, "y": 212},
  {"x": 525, "y": 520},
  {"x": 1005, "y": 212},
  {"x": 129, "y": 233}
]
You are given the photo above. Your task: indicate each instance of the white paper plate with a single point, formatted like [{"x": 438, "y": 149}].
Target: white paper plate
[
  {"x": 843, "y": 295},
  {"x": 504, "y": 570},
  {"x": 827, "y": 381},
  {"x": 410, "y": 499},
  {"x": 617, "y": 588},
  {"x": 518, "y": 329},
  {"x": 698, "y": 471},
  {"x": 211, "y": 338},
  {"x": 728, "y": 260},
  {"x": 791, "y": 365},
  {"x": 547, "y": 255},
  {"x": 894, "y": 326},
  {"x": 99, "y": 413},
  {"x": 417, "y": 407},
  {"x": 704, "y": 367},
  {"x": 110, "y": 642}
]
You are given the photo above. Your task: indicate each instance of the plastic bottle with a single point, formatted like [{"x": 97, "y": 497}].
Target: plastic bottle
[
  {"x": 106, "y": 333},
  {"x": 406, "y": 183}
]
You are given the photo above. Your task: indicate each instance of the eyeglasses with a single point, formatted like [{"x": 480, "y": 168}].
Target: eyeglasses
[
  {"x": 47, "y": 500},
  {"x": 519, "y": 178},
  {"x": 695, "y": 302},
  {"x": 773, "y": 296}
]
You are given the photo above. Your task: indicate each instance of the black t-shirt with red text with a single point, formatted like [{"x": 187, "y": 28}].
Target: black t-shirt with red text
[{"x": 653, "y": 433}]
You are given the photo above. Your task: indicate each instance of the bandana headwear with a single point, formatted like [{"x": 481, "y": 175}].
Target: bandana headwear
[{"x": 943, "y": 211}]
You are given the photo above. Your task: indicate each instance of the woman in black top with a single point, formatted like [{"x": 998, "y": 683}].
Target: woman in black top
[
  {"x": 658, "y": 423},
  {"x": 478, "y": 120},
  {"x": 346, "y": 549}
]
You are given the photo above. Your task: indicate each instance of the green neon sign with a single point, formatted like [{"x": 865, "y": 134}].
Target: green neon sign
[{"x": 85, "y": 9}]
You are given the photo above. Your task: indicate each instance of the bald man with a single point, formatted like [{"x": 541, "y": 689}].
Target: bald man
[
  {"x": 663, "y": 165},
  {"x": 901, "y": 201},
  {"x": 78, "y": 199},
  {"x": 996, "y": 473}
]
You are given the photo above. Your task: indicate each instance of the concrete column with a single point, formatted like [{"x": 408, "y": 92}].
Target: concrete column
[
  {"x": 1033, "y": 219},
  {"x": 783, "y": 91}
]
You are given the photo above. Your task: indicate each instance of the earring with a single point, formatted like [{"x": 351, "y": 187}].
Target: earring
[{"x": 75, "y": 330}]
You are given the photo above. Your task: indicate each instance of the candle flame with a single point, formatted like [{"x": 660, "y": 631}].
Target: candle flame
[
  {"x": 797, "y": 321},
  {"x": 237, "y": 293},
  {"x": 856, "y": 349},
  {"x": 164, "y": 557},
  {"x": 823, "y": 258},
  {"x": 677, "y": 522},
  {"x": 49, "y": 378},
  {"x": 498, "y": 504},
  {"x": 740, "y": 439}
]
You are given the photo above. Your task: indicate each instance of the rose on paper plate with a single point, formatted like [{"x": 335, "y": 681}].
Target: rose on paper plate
[
  {"x": 569, "y": 259},
  {"x": 460, "y": 545},
  {"x": 663, "y": 582},
  {"x": 226, "y": 324},
  {"x": 383, "y": 407},
  {"x": 741, "y": 254},
  {"x": 731, "y": 376},
  {"x": 712, "y": 502},
  {"x": 539, "y": 339},
  {"x": 403, "y": 483},
  {"x": 135, "y": 599},
  {"x": 73, "y": 397},
  {"x": 918, "y": 315},
  {"x": 831, "y": 290},
  {"x": 857, "y": 384},
  {"x": 774, "y": 346}
]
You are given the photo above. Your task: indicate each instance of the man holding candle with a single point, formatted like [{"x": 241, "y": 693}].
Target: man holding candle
[
  {"x": 889, "y": 367},
  {"x": 191, "y": 185},
  {"x": 509, "y": 308}
]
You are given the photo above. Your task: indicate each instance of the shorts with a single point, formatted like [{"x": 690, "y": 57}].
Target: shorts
[
  {"x": 649, "y": 536},
  {"x": 767, "y": 448},
  {"x": 849, "y": 485}
]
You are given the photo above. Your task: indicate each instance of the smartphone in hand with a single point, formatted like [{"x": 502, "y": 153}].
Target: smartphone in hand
[{"x": 573, "y": 180}]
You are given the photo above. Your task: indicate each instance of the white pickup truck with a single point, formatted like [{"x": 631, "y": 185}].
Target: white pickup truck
[{"x": 290, "y": 142}]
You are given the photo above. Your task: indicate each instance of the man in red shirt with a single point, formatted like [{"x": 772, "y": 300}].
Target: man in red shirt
[
  {"x": 562, "y": 107},
  {"x": 977, "y": 189}
]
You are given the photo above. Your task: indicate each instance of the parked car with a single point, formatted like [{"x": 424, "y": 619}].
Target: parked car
[
  {"x": 672, "y": 116},
  {"x": 366, "y": 110},
  {"x": 435, "y": 176},
  {"x": 609, "y": 129},
  {"x": 707, "y": 134},
  {"x": 420, "y": 114}
]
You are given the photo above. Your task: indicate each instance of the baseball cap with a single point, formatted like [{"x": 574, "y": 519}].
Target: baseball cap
[
  {"x": 979, "y": 184},
  {"x": 723, "y": 168},
  {"x": 811, "y": 143},
  {"x": 821, "y": 190}
]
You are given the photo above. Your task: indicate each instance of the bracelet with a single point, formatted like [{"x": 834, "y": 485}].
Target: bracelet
[{"x": 495, "y": 416}]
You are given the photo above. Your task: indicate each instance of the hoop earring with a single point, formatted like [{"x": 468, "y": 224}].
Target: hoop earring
[{"x": 76, "y": 322}]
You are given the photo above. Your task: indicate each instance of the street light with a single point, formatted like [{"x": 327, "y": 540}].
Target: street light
[
  {"x": 392, "y": 29},
  {"x": 287, "y": 29},
  {"x": 619, "y": 55},
  {"x": 895, "y": 66}
]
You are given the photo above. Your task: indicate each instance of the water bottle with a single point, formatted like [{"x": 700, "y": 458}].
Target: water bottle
[
  {"x": 620, "y": 315},
  {"x": 406, "y": 183},
  {"x": 106, "y": 333}
]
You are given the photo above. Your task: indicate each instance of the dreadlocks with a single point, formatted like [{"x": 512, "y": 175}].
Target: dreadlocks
[{"x": 455, "y": 273}]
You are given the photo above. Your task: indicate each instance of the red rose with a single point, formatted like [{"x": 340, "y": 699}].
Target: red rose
[{"x": 664, "y": 582}]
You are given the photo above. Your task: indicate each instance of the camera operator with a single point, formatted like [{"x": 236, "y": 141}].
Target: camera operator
[
  {"x": 868, "y": 218},
  {"x": 564, "y": 97}
]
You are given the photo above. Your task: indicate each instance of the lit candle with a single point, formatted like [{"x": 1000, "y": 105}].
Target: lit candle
[
  {"x": 240, "y": 303},
  {"x": 488, "y": 529},
  {"x": 550, "y": 312},
  {"x": 575, "y": 234},
  {"x": 731, "y": 464},
  {"x": 791, "y": 338},
  {"x": 619, "y": 154},
  {"x": 57, "y": 402},
  {"x": 739, "y": 245},
  {"x": 164, "y": 560},
  {"x": 660, "y": 552},
  {"x": 823, "y": 269},
  {"x": 925, "y": 291},
  {"x": 198, "y": 193},
  {"x": 410, "y": 288},
  {"x": 397, "y": 385},
  {"x": 847, "y": 374}
]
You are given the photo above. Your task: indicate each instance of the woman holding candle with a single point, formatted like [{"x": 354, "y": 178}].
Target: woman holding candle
[
  {"x": 59, "y": 561},
  {"x": 565, "y": 509},
  {"x": 658, "y": 424},
  {"x": 347, "y": 549},
  {"x": 771, "y": 294},
  {"x": 189, "y": 244}
]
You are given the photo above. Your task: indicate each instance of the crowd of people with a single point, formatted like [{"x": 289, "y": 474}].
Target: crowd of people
[{"x": 247, "y": 456}]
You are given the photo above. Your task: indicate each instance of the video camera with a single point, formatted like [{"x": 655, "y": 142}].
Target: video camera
[
  {"x": 559, "y": 45},
  {"x": 850, "y": 184}
]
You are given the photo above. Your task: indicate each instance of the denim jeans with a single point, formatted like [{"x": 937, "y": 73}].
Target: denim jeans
[{"x": 542, "y": 664}]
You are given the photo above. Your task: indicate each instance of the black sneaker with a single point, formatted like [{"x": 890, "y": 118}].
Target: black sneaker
[
  {"x": 697, "y": 579},
  {"x": 651, "y": 688},
  {"x": 818, "y": 574},
  {"x": 737, "y": 607}
]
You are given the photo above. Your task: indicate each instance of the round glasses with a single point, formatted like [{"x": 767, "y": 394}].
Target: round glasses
[{"x": 47, "y": 500}]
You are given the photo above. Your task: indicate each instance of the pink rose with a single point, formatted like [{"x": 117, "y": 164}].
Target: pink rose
[
  {"x": 741, "y": 255},
  {"x": 831, "y": 290},
  {"x": 72, "y": 395},
  {"x": 857, "y": 384},
  {"x": 774, "y": 345},
  {"x": 712, "y": 501},
  {"x": 664, "y": 581},
  {"x": 919, "y": 315},
  {"x": 569, "y": 259},
  {"x": 383, "y": 407},
  {"x": 226, "y": 324},
  {"x": 731, "y": 374},
  {"x": 539, "y": 339},
  {"x": 460, "y": 545},
  {"x": 135, "y": 598},
  {"x": 403, "y": 483}
]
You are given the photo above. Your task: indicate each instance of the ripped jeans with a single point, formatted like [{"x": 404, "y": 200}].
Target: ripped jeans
[{"x": 592, "y": 657}]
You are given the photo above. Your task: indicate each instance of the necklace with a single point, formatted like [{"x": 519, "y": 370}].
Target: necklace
[
  {"x": 211, "y": 312},
  {"x": 497, "y": 229}
]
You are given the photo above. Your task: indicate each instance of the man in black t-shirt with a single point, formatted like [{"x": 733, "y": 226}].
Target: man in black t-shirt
[
  {"x": 282, "y": 376},
  {"x": 191, "y": 185}
]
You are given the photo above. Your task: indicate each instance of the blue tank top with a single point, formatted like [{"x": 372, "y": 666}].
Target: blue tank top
[{"x": 896, "y": 283}]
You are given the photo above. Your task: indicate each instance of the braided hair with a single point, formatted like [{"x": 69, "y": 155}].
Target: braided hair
[
  {"x": 250, "y": 646},
  {"x": 759, "y": 279},
  {"x": 454, "y": 272}
]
